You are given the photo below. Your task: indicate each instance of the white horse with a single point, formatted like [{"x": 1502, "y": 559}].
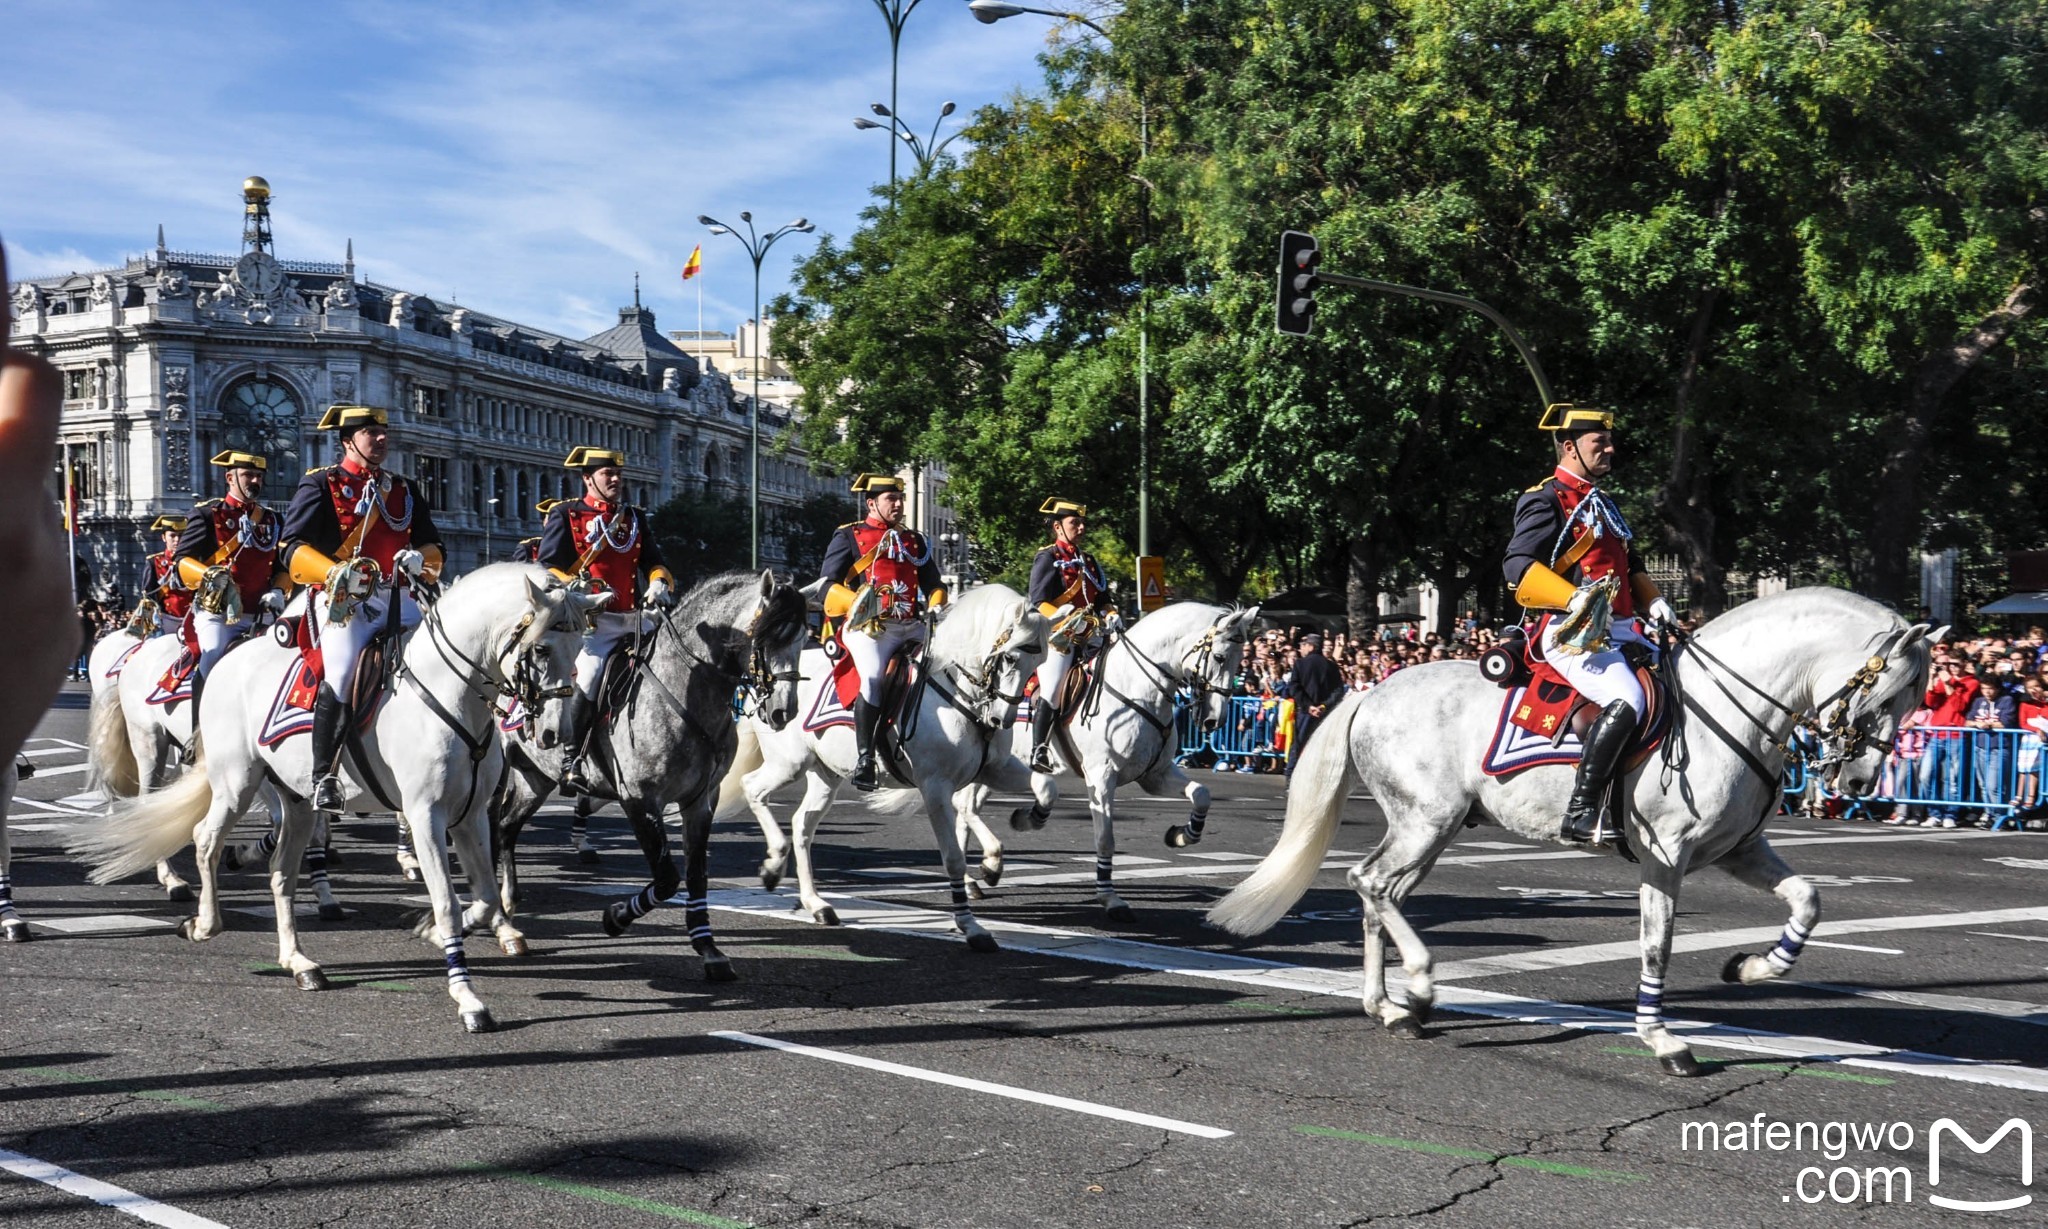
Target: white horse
[
  {"x": 1125, "y": 731},
  {"x": 430, "y": 751},
  {"x": 1417, "y": 741},
  {"x": 111, "y": 769},
  {"x": 977, "y": 663}
]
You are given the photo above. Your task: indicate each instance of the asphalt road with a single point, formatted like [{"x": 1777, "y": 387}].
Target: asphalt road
[{"x": 1147, "y": 1074}]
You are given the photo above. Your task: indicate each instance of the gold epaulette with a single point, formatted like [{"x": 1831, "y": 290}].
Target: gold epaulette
[
  {"x": 852, "y": 525},
  {"x": 208, "y": 503},
  {"x": 318, "y": 469},
  {"x": 1539, "y": 486}
]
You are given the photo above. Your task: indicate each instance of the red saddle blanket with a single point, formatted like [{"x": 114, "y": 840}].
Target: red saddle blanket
[
  {"x": 1537, "y": 723},
  {"x": 291, "y": 710},
  {"x": 834, "y": 705}
]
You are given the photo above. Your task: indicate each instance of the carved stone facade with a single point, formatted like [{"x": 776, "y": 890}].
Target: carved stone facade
[{"x": 177, "y": 355}]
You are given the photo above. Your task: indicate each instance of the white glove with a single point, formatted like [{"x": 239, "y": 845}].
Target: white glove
[
  {"x": 659, "y": 594},
  {"x": 273, "y": 601},
  {"x": 1113, "y": 620},
  {"x": 409, "y": 562},
  {"x": 1661, "y": 612}
]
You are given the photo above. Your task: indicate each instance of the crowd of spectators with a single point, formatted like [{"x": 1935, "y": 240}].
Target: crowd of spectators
[{"x": 95, "y": 619}]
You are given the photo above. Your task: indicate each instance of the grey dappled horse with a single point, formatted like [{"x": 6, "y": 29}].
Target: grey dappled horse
[
  {"x": 673, "y": 738},
  {"x": 1417, "y": 740}
]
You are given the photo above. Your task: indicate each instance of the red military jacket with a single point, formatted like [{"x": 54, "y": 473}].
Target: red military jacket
[
  {"x": 331, "y": 502},
  {"x": 614, "y": 538},
  {"x": 172, "y": 597},
  {"x": 902, "y": 570},
  {"x": 243, "y": 537},
  {"x": 1567, "y": 524}
]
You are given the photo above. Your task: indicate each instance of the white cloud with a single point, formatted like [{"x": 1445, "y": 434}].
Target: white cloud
[{"x": 527, "y": 157}]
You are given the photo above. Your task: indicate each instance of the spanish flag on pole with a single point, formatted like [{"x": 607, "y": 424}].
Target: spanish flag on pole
[{"x": 695, "y": 264}]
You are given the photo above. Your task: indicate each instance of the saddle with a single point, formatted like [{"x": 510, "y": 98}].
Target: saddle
[
  {"x": 902, "y": 679},
  {"x": 1542, "y": 715},
  {"x": 1075, "y": 687},
  {"x": 291, "y": 712}
]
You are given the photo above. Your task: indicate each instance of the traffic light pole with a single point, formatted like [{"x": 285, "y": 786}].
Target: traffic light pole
[{"x": 1456, "y": 300}]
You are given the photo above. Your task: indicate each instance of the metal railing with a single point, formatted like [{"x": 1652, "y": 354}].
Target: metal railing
[
  {"x": 1250, "y": 731},
  {"x": 1943, "y": 770}
]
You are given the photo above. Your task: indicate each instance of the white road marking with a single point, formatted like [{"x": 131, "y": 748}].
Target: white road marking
[
  {"x": 1222, "y": 855},
  {"x": 2024, "y": 1013},
  {"x": 1493, "y": 845},
  {"x": 995, "y": 1090},
  {"x": 1938, "y": 835},
  {"x": 90, "y": 798},
  {"x": 1123, "y": 859},
  {"x": 106, "y": 1194},
  {"x": 46, "y": 808},
  {"x": 98, "y": 923},
  {"x": 1599, "y": 953},
  {"x": 299, "y": 909},
  {"x": 1178, "y": 869},
  {"x": 62, "y": 742},
  {"x": 39, "y": 827},
  {"x": 1857, "y": 947},
  {"x": 1992, "y": 934},
  {"x": 1347, "y": 983}
]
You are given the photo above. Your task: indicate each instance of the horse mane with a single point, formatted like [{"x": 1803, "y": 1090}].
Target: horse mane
[
  {"x": 1175, "y": 621},
  {"x": 1778, "y": 608},
  {"x": 977, "y": 617}
]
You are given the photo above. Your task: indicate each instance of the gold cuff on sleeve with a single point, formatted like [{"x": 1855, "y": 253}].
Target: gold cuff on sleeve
[{"x": 1543, "y": 589}]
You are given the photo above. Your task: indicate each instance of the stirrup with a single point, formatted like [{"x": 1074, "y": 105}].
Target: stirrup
[
  {"x": 864, "y": 778},
  {"x": 1599, "y": 834},
  {"x": 327, "y": 793},
  {"x": 1041, "y": 760}
]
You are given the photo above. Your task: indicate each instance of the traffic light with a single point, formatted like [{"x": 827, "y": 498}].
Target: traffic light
[{"x": 1296, "y": 305}]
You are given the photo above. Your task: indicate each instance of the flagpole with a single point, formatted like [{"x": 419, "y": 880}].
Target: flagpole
[{"x": 71, "y": 522}]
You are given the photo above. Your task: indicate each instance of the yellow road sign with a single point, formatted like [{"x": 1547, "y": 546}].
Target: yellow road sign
[{"x": 1151, "y": 582}]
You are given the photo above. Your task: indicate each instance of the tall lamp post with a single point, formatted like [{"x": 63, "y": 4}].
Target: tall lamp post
[
  {"x": 757, "y": 247},
  {"x": 490, "y": 515},
  {"x": 988, "y": 12},
  {"x": 926, "y": 149},
  {"x": 895, "y": 12}
]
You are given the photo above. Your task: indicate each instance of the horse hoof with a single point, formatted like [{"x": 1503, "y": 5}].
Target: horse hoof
[
  {"x": 231, "y": 857},
  {"x": 310, "y": 979},
  {"x": 587, "y": 857},
  {"x": 720, "y": 970},
  {"x": 1120, "y": 913},
  {"x": 332, "y": 913},
  {"x": 190, "y": 929},
  {"x": 1180, "y": 837},
  {"x": 991, "y": 875},
  {"x": 982, "y": 942},
  {"x": 1682, "y": 1064},
  {"x": 1405, "y": 1028},
  {"x": 615, "y": 920},
  {"x": 479, "y": 1021},
  {"x": 14, "y": 930},
  {"x": 1421, "y": 1010},
  {"x": 828, "y": 916},
  {"x": 769, "y": 879},
  {"x": 1732, "y": 971},
  {"x": 975, "y": 891},
  {"x": 515, "y": 946},
  {"x": 181, "y": 894},
  {"x": 411, "y": 874},
  {"x": 1028, "y": 819}
]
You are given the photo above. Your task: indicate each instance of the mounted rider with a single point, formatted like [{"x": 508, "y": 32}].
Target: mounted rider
[
  {"x": 1065, "y": 576},
  {"x": 881, "y": 582},
  {"x": 600, "y": 544},
  {"x": 527, "y": 550},
  {"x": 238, "y": 535},
  {"x": 1573, "y": 559},
  {"x": 161, "y": 585},
  {"x": 363, "y": 541}
]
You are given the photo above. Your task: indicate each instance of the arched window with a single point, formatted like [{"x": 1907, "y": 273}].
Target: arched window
[
  {"x": 711, "y": 473},
  {"x": 262, "y": 417}
]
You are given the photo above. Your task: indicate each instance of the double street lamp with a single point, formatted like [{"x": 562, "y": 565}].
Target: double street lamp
[
  {"x": 988, "y": 12},
  {"x": 757, "y": 247}
]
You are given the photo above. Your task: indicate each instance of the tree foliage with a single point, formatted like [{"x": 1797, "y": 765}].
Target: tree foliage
[{"x": 1797, "y": 245}]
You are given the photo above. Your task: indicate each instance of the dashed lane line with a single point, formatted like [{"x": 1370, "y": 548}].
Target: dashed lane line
[
  {"x": 106, "y": 1194},
  {"x": 1269, "y": 975},
  {"x": 1857, "y": 947},
  {"x": 1598, "y": 953},
  {"x": 1819, "y": 1073},
  {"x": 982, "y": 1086},
  {"x": 689, "y": 1216}
]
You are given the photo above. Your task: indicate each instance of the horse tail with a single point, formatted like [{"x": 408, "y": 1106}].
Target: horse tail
[
  {"x": 1315, "y": 800},
  {"x": 732, "y": 793},
  {"x": 113, "y": 768},
  {"x": 137, "y": 835},
  {"x": 893, "y": 801}
]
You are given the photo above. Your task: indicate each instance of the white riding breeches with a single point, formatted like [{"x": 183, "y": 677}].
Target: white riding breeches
[
  {"x": 1051, "y": 673},
  {"x": 214, "y": 634},
  {"x": 1602, "y": 677},
  {"x": 871, "y": 654},
  {"x": 608, "y": 628},
  {"x": 341, "y": 644},
  {"x": 167, "y": 624}
]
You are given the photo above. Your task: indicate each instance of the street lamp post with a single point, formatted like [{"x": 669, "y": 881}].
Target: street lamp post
[
  {"x": 988, "y": 12},
  {"x": 895, "y": 12},
  {"x": 490, "y": 515},
  {"x": 757, "y": 247},
  {"x": 926, "y": 148}
]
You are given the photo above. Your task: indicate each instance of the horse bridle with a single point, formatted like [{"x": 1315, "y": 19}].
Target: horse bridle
[
  {"x": 1842, "y": 737},
  {"x": 983, "y": 682}
]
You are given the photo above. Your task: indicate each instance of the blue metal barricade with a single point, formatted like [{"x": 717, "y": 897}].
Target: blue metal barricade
[
  {"x": 1187, "y": 725},
  {"x": 1947, "y": 769},
  {"x": 1251, "y": 729}
]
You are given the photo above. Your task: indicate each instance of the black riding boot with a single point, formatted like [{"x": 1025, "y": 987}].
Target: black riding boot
[
  {"x": 191, "y": 754},
  {"x": 330, "y": 725},
  {"x": 1605, "y": 741},
  {"x": 866, "y": 717},
  {"x": 576, "y": 741},
  {"x": 1042, "y": 717}
]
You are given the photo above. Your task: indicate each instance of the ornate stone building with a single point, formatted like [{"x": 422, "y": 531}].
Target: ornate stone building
[{"x": 176, "y": 355}]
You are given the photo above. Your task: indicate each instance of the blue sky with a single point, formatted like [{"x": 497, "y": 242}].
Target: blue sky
[{"x": 525, "y": 158}]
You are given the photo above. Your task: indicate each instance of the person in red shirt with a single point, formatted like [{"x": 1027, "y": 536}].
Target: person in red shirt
[
  {"x": 605, "y": 544},
  {"x": 161, "y": 584},
  {"x": 1941, "y": 764}
]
